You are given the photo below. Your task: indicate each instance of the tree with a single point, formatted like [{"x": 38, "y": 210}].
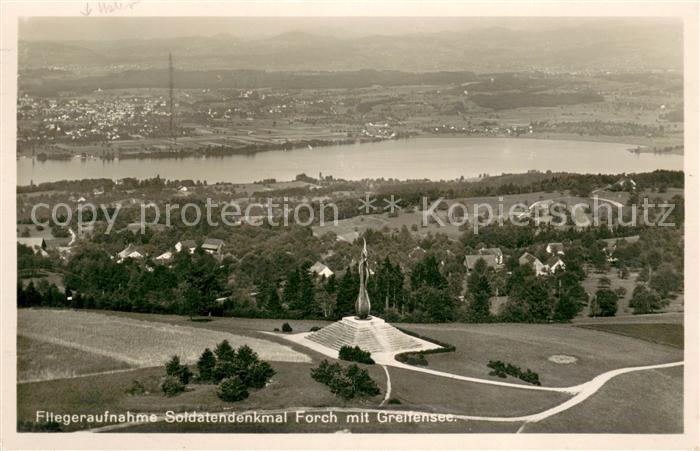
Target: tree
[
  {"x": 436, "y": 304},
  {"x": 480, "y": 292},
  {"x": 206, "y": 365},
  {"x": 307, "y": 292},
  {"x": 645, "y": 300},
  {"x": 346, "y": 295},
  {"x": 427, "y": 273},
  {"x": 665, "y": 281},
  {"x": 224, "y": 352},
  {"x": 175, "y": 369},
  {"x": 290, "y": 294},
  {"x": 571, "y": 296},
  {"x": 232, "y": 389},
  {"x": 605, "y": 302}
]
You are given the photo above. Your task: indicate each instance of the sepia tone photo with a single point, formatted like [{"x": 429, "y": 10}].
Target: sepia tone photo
[{"x": 395, "y": 224}]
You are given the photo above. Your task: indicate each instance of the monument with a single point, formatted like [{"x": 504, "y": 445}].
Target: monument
[
  {"x": 370, "y": 333},
  {"x": 362, "y": 305}
]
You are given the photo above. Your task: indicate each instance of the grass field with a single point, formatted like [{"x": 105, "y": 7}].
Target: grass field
[
  {"x": 114, "y": 339},
  {"x": 530, "y": 346},
  {"x": 290, "y": 386},
  {"x": 40, "y": 360},
  {"x": 136, "y": 342},
  {"x": 649, "y": 402},
  {"x": 665, "y": 334}
]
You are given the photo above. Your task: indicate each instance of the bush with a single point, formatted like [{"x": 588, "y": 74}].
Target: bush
[
  {"x": 349, "y": 383},
  {"x": 314, "y": 329},
  {"x": 258, "y": 374},
  {"x": 136, "y": 388},
  {"x": 325, "y": 372},
  {"x": 174, "y": 368},
  {"x": 418, "y": 358},
  {"x": 412, "y": 358},
  {"x": 355, "y": 354},
  {"x": 504, "y": 370},
  {"x": 172, "y": 386},
  {"x": 223, "y": 370},
  {"x": 206, "y": 365},
  {"x": 232, "y": 389},
  {"x": 286, "y": 328},
  {"x": 393, "y": 401}
]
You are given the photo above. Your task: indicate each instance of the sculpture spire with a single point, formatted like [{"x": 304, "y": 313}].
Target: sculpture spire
[{"x": 362, "y": 304}]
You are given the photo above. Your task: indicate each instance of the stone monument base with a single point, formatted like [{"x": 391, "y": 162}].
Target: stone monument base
[{"x": 372, "y": 334}]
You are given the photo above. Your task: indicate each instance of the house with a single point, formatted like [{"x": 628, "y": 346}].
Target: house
[
  {"x": 554, "y": 264},
  {"x": 495, "y": 251},
  {"x": 189, "y": 245},
  {"x": 321, "y": 270},
  {"x": 555, "y": 248},
  {"x": 349, "y": 237},
  {"x": 165, "y": 257},
  {"x": 36, "y": 244},
  {"x": 470, "y": 261},
  {"x": 130, "y": 252},
  {"x": 530, "y": 260},
  {"x": 611, "y": 245},
  {"x": 213, "y": 246}
]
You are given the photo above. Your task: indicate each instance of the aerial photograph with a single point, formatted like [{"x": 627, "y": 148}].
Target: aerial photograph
[{"x": 442, "y": 225}]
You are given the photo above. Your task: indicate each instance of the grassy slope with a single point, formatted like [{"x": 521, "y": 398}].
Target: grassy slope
[
  {"x": 665, "y": 334},
  {"x": 530, "y": 345},
  {"x": 39, "y": 360},
  {"x": 637, "y": 403}
]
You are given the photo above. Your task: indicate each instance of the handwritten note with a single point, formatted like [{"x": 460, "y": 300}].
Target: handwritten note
[{"x": 106, "y": 8}]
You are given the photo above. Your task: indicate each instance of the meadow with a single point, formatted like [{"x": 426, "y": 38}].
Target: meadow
[{"x": 135, "y": 342}]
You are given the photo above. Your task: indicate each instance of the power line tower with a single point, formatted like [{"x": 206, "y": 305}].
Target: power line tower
[{"x": 172, "y": 86}]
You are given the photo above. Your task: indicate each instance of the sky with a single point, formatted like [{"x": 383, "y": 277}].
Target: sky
[{"x": 117, "y": 28}]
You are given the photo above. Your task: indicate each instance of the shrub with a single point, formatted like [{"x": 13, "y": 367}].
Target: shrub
[
  {"x": 418, "y": 358},
  {"x": 531, "y": 377},
  {"x": 174, "y": 368},
  {"x": 393, "y": 401},
  {"x": 136, "y": 388},
  {"x": 223, "y": 370},
  {"x": 286, "y": 328},
  {"x": 348, "y": 383},
  {"x": 413, "y": 358},
  {"x": 314, "y": 329},
  {"x": 276, "y": 329},
  {"x": 206, "y": 365},
  {"x": 355, "y": 354},
  {"x": 232, "y": 389},
  {"x": 258, "y": 374},
  {"x": 325, "y": 372},
  {"x": 503, "y": 370},
  {"x": 172, "y": 386}
]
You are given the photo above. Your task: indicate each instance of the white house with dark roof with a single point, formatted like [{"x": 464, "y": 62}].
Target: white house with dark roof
[
  {"x": 536, "y": 264},
  {"x": 554, "y": 264},
  {"x": 321, "y": 270},
  {"x": 555, "y": 248},
  {"x": 131, "y": 251}
]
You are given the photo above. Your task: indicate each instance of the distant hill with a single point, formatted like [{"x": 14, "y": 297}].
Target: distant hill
[
  {"x": 245, "y": 79},
  {"x": 497, "y": 49}
]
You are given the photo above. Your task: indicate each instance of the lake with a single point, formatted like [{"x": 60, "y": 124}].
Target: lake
[{"x": 417, "y": 158}]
